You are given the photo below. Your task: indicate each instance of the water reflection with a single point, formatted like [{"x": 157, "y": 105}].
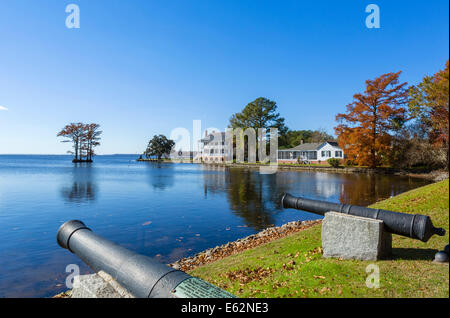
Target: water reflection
[
  {"x": 357, "y": 189},
  {"x": 203, "y": 206},
  {"x": 256, "y": 198},
  {"x": 214, "y": 180},
  {"x": 363, "y": 189},
  {"x": 161, "y": 176},
  {"x": 83, "y": 187},
  {"x": 252, "y": 196},
  {"x": 315, "y": 185}
]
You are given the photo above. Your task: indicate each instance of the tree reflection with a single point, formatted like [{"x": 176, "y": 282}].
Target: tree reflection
[
  {"x": 357, "y": 189},
  {"x": 252, "y": 196},
  {"x": 83, "y": 187},
  {"x": 365, "y": 189},
  {"x": 161, "y": 175},
  {"x": 256, "y": 198}
]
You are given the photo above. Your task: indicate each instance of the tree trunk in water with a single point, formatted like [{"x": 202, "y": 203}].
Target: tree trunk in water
[{"x": 76, "y": 149}]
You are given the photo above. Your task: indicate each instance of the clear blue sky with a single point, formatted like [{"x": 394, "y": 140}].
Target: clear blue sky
[{"x": 141, "y": 68}]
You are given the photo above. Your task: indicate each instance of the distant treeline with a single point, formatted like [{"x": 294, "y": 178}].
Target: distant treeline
[{"x": 294, "y": 138}]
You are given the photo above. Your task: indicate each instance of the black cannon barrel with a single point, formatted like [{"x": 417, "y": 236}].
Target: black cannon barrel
[
  {"x": 415, "y": 226},
  {"x": 139, "y": 274}
]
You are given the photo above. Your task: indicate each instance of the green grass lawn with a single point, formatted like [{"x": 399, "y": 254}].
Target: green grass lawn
[{"x": 293, "y": 266}]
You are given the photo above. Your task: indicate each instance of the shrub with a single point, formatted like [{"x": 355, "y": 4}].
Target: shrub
[
  {"x": 334, "y": 162},
  {"x": 349, "y": 163}
]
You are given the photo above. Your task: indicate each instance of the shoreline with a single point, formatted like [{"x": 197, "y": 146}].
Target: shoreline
[
  {"x": 219, "y": 252},
  {"x": 238, "y": 246},
  {"x": 294, "y": 267},
  {"x": 434, "y": 175}
]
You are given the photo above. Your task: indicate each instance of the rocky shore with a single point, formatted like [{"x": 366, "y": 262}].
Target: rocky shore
[
  {"x": 436, "y": 176},
  {"x": 249, "y": 242}
]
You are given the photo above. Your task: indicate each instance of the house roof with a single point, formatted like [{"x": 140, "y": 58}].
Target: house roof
[
  {"x": 218, "y": 136},
  {"x": 311, "y": 146},
  {"x": 333, "y": 143},
  {"x": 305, "y": 147}
]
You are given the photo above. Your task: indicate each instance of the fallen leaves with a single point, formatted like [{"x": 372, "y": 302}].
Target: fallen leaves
[
  {"x": 325, "y": 290},
  {"x": 317, "y": 250},
  {"x": 318, "y": 277},
  {"x": 247, "y": 275},
  {"x": 268, "y": 235},
  {"x": 312, "y": 253}
]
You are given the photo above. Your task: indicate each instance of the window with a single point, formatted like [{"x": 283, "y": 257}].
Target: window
[
  {"x": 326, "y": 154},
  {"x": 338, "y": 154},
  {"x": 283, "y": 155}
]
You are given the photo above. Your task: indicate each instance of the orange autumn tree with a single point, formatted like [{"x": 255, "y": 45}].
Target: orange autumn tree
[
  {"x": 365, "y": 130},
  {"x": 429, "y": 104},
  {"x": 74, "y": 133}
]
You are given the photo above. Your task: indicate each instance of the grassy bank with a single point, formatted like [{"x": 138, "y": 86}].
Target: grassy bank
[{"x": 293, "y": 266}]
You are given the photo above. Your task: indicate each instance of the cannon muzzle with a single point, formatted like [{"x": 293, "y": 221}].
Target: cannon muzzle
[
  {"x": 415, "y": 226},
  {"x": 140, "y": 275}
]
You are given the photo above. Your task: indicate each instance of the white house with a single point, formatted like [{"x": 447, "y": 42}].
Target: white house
[
  {"x": 311, "y": 153},
  {"x": 212, "y": 147}
]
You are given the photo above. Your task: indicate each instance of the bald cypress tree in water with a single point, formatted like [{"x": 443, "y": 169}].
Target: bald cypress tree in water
[{"x": 84, "y": 137}]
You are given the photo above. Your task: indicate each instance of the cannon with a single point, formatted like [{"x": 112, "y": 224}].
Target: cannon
[
  {"x": 142, "y": 276},
  {"x": 415, "y": 226}
]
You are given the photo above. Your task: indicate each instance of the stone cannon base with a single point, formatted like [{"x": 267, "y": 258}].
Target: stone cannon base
[
  {"x": 353, "y": 237},
  {"x": 99, "y": 285}
]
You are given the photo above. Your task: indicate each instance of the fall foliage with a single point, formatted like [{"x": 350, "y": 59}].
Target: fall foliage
[
  {"x": 85, "y": 137},
  {"x": 364, "y": 131},
  {"x": 429, "y": 105}
]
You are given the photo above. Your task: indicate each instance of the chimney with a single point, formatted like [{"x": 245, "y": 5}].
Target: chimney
[
  {"x": 302, "y": 142},
  {"x": 206, "y": 133}
]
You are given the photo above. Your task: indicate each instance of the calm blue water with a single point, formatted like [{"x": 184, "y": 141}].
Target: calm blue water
[{"x": 167, "y": 211}]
